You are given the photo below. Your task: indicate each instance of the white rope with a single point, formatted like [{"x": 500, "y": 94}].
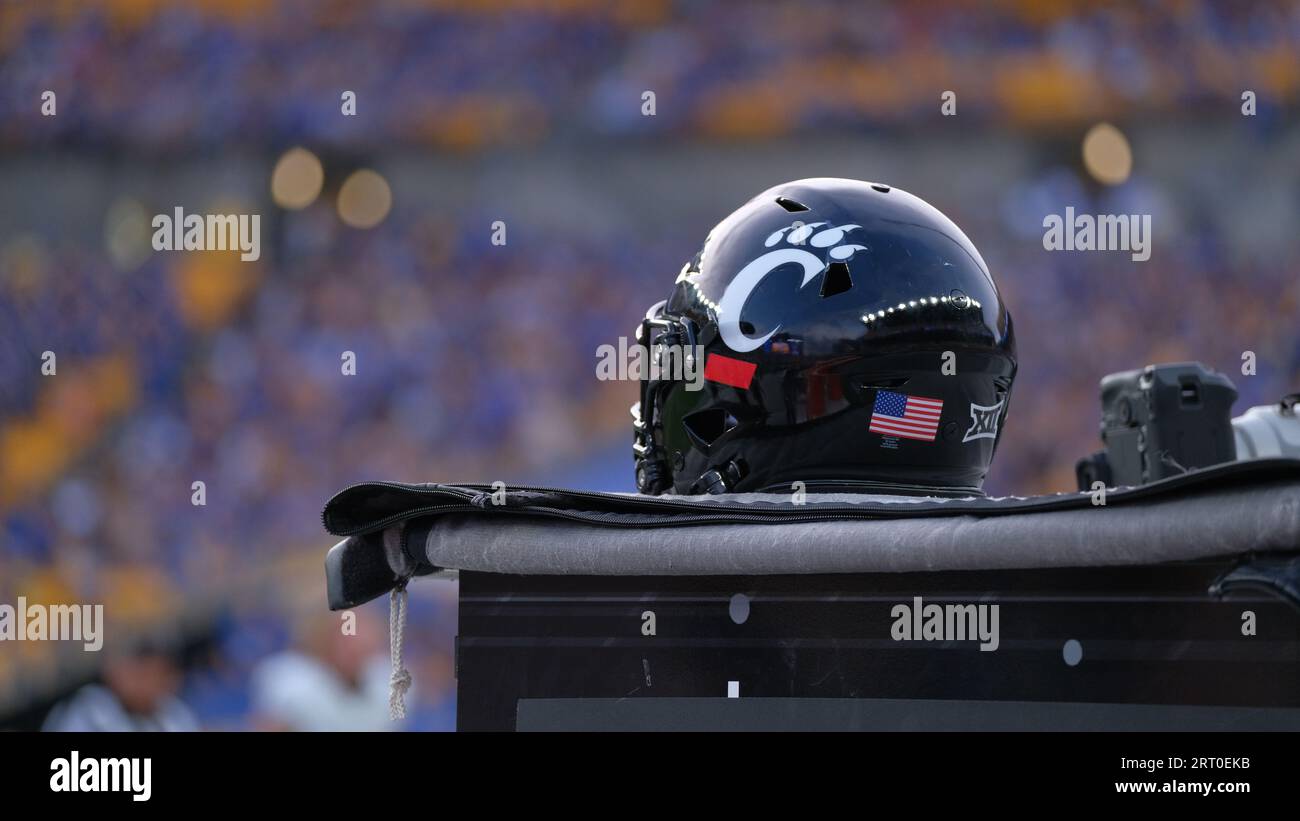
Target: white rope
[{"x": 400, "y": 681}]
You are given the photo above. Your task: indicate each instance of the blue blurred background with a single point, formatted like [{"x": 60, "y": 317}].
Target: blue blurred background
[{"x": 475, "y": 361}]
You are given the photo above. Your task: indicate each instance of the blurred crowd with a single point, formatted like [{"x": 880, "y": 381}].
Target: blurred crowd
[
  {"x": 481, "y": 370},
  {"x": 475, "y": 361},
  {"x": 469, "y": 73}
]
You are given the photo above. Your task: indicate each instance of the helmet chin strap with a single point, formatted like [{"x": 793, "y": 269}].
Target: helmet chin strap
[
  {"x": 720, "y": 480},
  {"x": 652, "y": 476}
]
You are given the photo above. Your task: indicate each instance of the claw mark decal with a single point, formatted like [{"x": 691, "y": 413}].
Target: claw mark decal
[
  {"x": 983, "y": 421},
  {"x": 796, "y": 234}
]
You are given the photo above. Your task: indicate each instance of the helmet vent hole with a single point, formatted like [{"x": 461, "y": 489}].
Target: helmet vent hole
[
  {"x": 707, "y": 426},
  {"x": 836, "y": 280},
  {"x": 884, "y": 189},
  {"x": 790, "y": 205},
  {"x": 882, "y": 383}
]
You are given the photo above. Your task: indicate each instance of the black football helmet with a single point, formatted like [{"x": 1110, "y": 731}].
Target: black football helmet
[{"x": 852, "y": 339}]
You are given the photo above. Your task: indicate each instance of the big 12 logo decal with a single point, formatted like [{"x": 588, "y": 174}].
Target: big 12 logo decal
[
  {"x": 797, "y": 236},
  {"x": 983, "y": 421}
]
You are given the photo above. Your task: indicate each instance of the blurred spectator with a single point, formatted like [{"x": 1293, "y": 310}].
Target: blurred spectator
[
  {"x": 336, "y": 682},
  {"x": 138, "y": 694}
]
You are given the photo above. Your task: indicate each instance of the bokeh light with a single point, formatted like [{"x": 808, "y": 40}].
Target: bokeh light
[
  {"x": 127, "y": 234},
  {"x": 297, "y": 179},
  {"x": 364, "y": 199},
  {"x": 1106, "y": 154}
]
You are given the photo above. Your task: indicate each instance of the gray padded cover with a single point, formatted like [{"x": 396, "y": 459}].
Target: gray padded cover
[{"x": 1258, "y": 517}]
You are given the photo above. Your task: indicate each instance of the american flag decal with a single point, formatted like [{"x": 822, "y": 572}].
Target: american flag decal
[{"x": 907, "y": 417}]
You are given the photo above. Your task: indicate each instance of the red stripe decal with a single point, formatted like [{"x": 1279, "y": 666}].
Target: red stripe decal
[{"x": 734, "y": 372}]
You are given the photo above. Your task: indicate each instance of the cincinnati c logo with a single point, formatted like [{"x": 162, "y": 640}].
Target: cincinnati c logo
[{"x": 796, "y": 234}]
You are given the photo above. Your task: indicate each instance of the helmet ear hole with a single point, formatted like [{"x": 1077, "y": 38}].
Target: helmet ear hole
[{"x": 707, "y": 426}]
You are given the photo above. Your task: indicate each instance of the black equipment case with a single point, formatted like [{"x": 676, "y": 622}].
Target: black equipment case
[{"x": 1172, "y": 606}]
